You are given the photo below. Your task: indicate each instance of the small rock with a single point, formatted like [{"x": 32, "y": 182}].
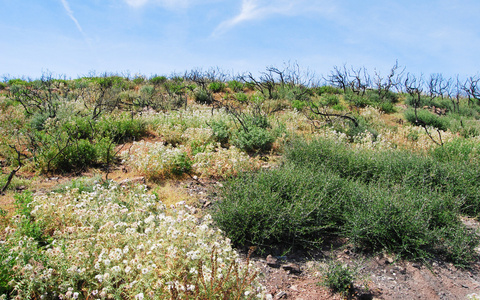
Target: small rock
[
  {"x": 207, "y": 204},
  {"x": 21, "y": 188},
  {"x": 293, "y": 268},
  {"x": 195, "y": 177},
  {"x": 202, "y": 201},
  {"x": 416, "y": 265},
  {"x": 281, "y": 295},
  {"x": 294, "y": 288},
  {"x": 272, "y": 261},
  {"x": 389, "y": 260},
  {"x": 465, "y": 286}
]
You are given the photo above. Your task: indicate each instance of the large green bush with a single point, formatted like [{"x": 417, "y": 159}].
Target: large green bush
[
  {"x": 392, "y": 200},
  {"x": 395, "y": 167},
  {"x": 287, "y": 207}
]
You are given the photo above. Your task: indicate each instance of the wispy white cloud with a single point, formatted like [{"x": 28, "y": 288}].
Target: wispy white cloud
[
  {"x": 79, "y": 27},
  {"x": 169, "y": 4},
  {"x": 261, "y": 9},
  {"x": 70, "y": 14}
]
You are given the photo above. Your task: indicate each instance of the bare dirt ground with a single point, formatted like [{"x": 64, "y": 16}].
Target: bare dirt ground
[{"x": 300, "y": 275}]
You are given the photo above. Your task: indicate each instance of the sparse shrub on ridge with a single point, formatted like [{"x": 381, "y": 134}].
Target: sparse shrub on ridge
[
  {"x": 216, "y": 86},
  {"x": 235, "y": 86}
]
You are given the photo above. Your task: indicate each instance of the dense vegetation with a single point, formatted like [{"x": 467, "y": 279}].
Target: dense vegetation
[{"x": 385, "y": 163}]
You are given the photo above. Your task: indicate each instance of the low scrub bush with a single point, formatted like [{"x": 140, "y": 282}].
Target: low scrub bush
[
  {"x": 241, "y": 97},
  {"x": 327, "y": 89},
  {"x": 255, "y": 139},
  {"x": 339, "y": 278},
  {"x": 424, "y": 117},
  {"x": 406, "y": 221},
  {"x": 298, "y": 104},
  {"x": 460, "y": 150},
  {"x": 235, "y": 85},
  {"x": 158, "y": 80},
  {"x": 122, "y": 129},
  {"x": 358, "y": 101},
  {"x": 203, "y": 97},
  {"x": 220, "y": 131},
  {"x": 429, "y": 102},
  {"x": 216, "y": 86}
]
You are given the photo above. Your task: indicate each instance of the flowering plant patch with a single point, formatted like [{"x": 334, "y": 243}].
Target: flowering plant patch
[
  {"x": 223, "y": 162},
  {"x": 115, "y": 243}
]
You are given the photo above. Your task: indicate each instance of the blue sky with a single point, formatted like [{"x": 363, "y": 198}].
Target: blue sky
[{"x": 74, "y": 37}]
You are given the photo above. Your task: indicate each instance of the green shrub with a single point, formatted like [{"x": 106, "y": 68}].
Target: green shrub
[
  {"x": 139, "y": 80},
  {"x": 339, "y": 278},
  {"x": 280, "y": 209},
  {"x": 16, "y": 182},
  {"x": 182, "y": 164},
  {"x": 122, "y": 128},
  {"x": 466, "y": 126},
  {"x": 76, "y": 157},
  {"x": 386, "y": 107},
  {"x": 37, "y": 121},
  {"x": 203, "y": 97},
  {"x": 330, "y": 100},
  {"x": 27, "y": 225},
  {"x": 6, "y": 270},
  {"x": 327, "y": 89},
  {"x": 250, "y": 85},
  {"x": 3, "y": 86},
  {"x": 298, "y": 104},
  {"x": 254, "y": 139},
  {"x": 457, "y": 150},
  {"x": 427, "y": 101},
  {"x": 241, "y": 97},
  {"x": 17, "y": 81},
  {"x": 393, "y": 167},
  {"x": 402, "y": 220},
  {"x": 157, "y": 80},
  {"x": 424, "y": 117},
  {"x": 358, "y": 101},
  {"x": 235, "y": 85},
  {"x": 216, "y": 86},
  {"x": 81, "y": 184},
  {"x": 390, "y": 200},
  {"x": 221, "y": 132}
]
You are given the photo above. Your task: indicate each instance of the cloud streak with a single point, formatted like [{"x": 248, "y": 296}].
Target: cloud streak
[
  {"x": 261, "y": 9},
  {"x": 169, "y": 4},
  {"x": 70, "y": 14}
]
